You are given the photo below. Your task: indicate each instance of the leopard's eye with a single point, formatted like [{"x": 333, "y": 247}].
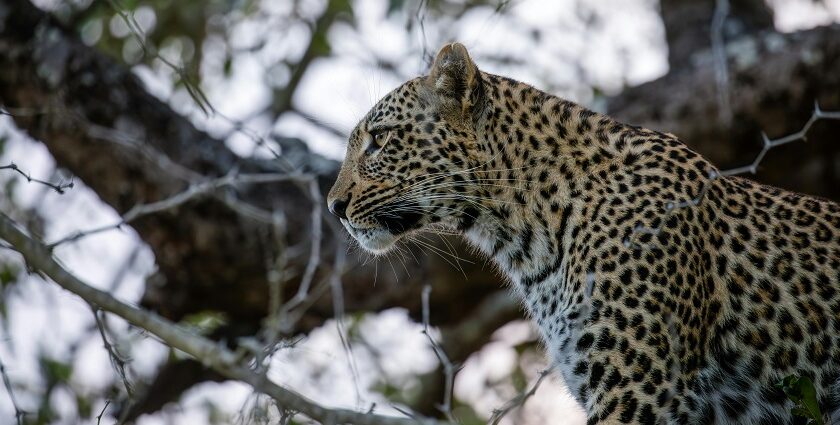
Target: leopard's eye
[{"x": 378, "y": 138}]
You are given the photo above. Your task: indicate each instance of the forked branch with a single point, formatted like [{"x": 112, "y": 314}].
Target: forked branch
[{"x": 215, "y": 356}]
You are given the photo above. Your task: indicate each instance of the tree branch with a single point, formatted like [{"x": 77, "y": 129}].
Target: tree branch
[
  {"x": 215, "y": 356},
  {"x": 19, "y": 413},
  {"x": 774, "y": 80},
  {"x": 59, "y": 187}
]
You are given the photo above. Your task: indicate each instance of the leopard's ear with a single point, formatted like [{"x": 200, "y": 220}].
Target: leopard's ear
[{"x": 456, "y": 81}]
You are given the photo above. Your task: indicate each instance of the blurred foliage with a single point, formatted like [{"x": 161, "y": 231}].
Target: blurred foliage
[
  {"x": 55, "y": 373},
  {"x": 205, "y": 322},
  {"x": 179, "y": 29}
]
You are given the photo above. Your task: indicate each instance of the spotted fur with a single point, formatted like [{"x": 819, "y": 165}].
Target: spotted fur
[{"x": 694, "y": 325}]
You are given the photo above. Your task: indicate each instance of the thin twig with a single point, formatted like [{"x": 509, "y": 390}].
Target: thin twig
[
  {"x": 519, "y": 400},
  {"x": 192, "y": 192},
  {"x": 102, "y": 412},
  {"x": 154, "y": 156},
  {"x": 335, "y": 131},
  {"x": 449, "y": 368},
  {"x": 118, "y": 362},
  {"x": 672, "y": 207},
  {"x": 137, "y": 32},
  {"x": 19, "y": 413},
  {"x": 817, "y": 115},
  {"x": 276, "y": 276},
  {"x": 303, "y": 296},
  {"x": 60, "y": 187}
]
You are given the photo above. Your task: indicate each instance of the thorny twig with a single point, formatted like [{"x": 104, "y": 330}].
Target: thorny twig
[
  {"x": 519, "y": 400},
  {"x": 19, "y": 413},
  {"x": 60, "y": 187},
  {"x": 449, "y": 368},
  {"x": 102, "y": 412},
  {"x": 193, "y": 191},
  {"x": 672, "y": 207},
  {"x": 118, "y": 362},
  {"x": 165, "y": 164},
  {"x": 420, "y": 16},
  {"x": 817, "y": 115}
]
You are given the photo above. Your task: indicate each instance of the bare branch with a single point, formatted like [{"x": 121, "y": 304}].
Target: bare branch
[
  {"x": 19, "y": 413},
  {"x": 338, "y": 313},
  {"x": 315, "y": 249},
  {"x": 118, "y": 362},
  {"x": 60, "y": 187},
  {"x": 216, "y": 356},
  {"x": 449, "y": 368},
  {"x": 817, "y": 115},
  {"x": 102, "y": 412},
  {"x": 672, "y": 207},
  {"x": 519, "y": 400},
  {"x": 194, "y": 191},
  {"x": 137, "y": 32},
  {"x": 140, "y": 146}
]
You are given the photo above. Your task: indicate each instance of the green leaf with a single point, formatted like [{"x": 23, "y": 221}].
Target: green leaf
[
  {"x": 8, "y": 274},
  {"x": 809, "y": 399},
  {"x": 205, "y": 322},
  {"x": 801, "y": 391},
  {"x": 55, "y": 371}
]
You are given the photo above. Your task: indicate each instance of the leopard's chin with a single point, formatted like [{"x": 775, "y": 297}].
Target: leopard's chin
[{"x": 377, "y": 240}]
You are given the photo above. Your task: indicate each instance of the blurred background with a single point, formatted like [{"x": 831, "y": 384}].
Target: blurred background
[{"x": 140, "y": 101}]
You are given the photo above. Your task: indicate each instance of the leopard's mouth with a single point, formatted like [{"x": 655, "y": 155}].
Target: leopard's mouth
[
  {"x": 400, "y": 219},
  {"x": 392, "y": 222},
  {"x": 376, "y": 240}
]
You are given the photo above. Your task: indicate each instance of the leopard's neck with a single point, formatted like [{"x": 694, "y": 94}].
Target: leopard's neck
[{"x": 542, "y": 162}]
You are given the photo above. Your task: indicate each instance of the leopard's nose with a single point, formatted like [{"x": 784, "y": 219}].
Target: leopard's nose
[{"x": 339, "y": 208}]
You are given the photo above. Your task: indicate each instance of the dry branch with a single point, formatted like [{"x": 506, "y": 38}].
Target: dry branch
[
  {"x": 215, "y": 356},
  {"x": 59, "y": 187},
  {"x": 19, "y": 413}
]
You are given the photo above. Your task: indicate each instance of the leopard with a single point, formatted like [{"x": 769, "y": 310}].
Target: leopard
[{"x": 664, "y": 291}]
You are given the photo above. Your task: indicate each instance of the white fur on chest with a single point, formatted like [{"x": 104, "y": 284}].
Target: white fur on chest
[{"x": 555, "y": 328}]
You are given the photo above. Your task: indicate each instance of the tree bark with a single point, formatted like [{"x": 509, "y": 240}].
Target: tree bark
[
  {"x": 775, "y": 79},
  {"x": 688, "y": 25}
]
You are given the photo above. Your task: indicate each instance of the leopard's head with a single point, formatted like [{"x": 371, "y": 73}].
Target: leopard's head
[{"x": 410, "y": 161}]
